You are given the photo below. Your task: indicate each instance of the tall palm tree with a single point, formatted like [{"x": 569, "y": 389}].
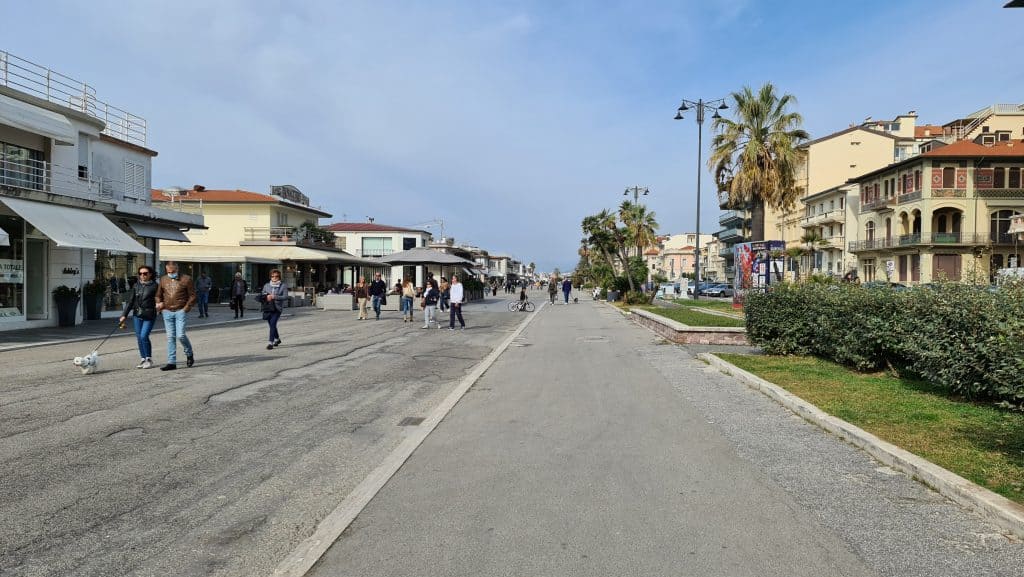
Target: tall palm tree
[
  {"x": 755, "y": 156},
  {"x": 812, "y": 239},
  {"x": 612, "y": 237},
  {"x": 641, "y": 225}
]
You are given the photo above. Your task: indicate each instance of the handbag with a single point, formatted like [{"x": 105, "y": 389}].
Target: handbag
[{"x": 384, "y": 299}]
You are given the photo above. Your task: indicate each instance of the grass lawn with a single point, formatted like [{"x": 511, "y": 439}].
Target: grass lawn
[
  {"x": 693, "y": 317},
  {"x": 724, "y": 306},
  {"x": 976, "y": 441}
]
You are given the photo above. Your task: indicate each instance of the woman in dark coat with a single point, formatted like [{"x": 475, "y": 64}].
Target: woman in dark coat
[
  {"x": 141, "y": 303},
  {"x": 272, "y": 299}
]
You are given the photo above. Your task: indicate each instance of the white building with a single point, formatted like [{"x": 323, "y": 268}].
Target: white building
[
  {"x": 371, "y": 240},
  {"x": 74, "y": 196}
]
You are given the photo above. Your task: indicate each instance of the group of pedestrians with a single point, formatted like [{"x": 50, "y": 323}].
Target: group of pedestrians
[
  {"x": 566, "y": 286},
  {"x": 174, "y": 296}
]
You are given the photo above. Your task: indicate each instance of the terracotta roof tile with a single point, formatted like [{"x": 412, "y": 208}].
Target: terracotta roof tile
[
  {"x": 369, "y": 227},
  {"x": 927, "y": 131},
  {"x": 967, "y": 148},
  {"x": 218, "y": 196}
]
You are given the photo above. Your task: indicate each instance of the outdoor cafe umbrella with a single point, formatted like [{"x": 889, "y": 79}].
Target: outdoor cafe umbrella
[{"x": 421, "y": 255}]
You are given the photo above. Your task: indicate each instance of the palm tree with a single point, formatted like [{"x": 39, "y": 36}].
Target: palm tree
[
  {"x": 607, "y": 236},
  {"x": 812, "y": 240},
  {"x": 755, "y": 156},
  {"x": 794, "y": 253},
  {"x": 640, "y": 225}
]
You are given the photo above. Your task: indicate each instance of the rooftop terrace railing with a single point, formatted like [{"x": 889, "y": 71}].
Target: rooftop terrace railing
[{"x": 31, "y": 78}]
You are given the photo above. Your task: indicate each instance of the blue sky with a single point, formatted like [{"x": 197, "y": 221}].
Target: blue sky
[{"x": 510, "y": 121}]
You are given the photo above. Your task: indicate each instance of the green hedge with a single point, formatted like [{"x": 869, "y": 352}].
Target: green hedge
[{"x": 965, "y": 339}]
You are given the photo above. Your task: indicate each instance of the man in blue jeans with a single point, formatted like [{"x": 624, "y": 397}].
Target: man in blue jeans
[
  {"x": 203, "y": 286},
  {"x": 175, "y": 297},
  {"x": 566, "y": 289},
  {"x": 377, "y": 290}
]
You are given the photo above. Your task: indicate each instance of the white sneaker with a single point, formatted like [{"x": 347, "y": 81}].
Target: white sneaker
[
  {"x": 141, "y": 364},
  {"x": 146, "y": 364}
]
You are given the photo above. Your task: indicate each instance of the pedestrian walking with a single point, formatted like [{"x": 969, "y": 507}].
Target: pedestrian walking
[
  {"x": 175, "y": 297},
  {"x": 239, "y": 288},
  {"x": 566, "y": 289},
  {"x": 445, "y": 289},
  {"x": 141, "y": 303},
  {"x": 272, "y": 299},
  {"x": 455, "y": 304},
  {"x": 429, "y": 304},
  {"x": 203, "y": 286},
  {"x": 552, "y": 289},
  {"x": 362, "y": 293},
  {"x": 378, "y": 288},
  {"x": 408, "y": 292}
]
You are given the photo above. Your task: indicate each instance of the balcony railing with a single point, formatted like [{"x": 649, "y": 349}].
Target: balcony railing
[
  {"x": 730, "y": 233},
  {"x": 823, "y": 218},
  {"x": 999, "y": 193},
  {"x": 879, "y": 204},
  {"x": 731, "y": 217},
  {"x": 372, "y": 252},
  {"x": 873, "y": 244},
  {"x": 908, "y": 197},
  {"x": 288, "y": 235},
  {"x": 42, "y": 176},
  {"x": 39, "y": 81}
]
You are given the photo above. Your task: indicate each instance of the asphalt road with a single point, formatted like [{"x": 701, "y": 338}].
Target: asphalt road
[{"x": 220, "y": 469}]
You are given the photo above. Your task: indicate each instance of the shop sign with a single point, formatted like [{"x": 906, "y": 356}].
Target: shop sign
[{"x": 12, "y": 271}]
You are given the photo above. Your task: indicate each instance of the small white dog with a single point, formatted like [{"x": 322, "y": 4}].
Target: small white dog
[{"x": 89, "y": 363}]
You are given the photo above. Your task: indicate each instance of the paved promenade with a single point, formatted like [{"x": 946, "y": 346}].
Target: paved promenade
[{"x": 590, "y": 448}]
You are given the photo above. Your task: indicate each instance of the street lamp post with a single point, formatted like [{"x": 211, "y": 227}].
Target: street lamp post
[
  {"x": 700, "y": 106},
  {"x": 637, "y": 192}
]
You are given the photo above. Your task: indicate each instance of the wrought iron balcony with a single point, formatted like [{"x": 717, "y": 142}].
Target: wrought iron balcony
[
  {"x": 879, "y": 204},
  {"x": 872, "y": 244}
]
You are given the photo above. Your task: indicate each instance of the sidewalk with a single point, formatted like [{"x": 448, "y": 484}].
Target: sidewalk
[
  {"x": 96, "y": 330},
  {"x": 572, "y": 455}
]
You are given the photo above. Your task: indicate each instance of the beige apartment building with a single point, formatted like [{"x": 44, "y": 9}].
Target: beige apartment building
[
  {"x": 944, "y": 215},
  {"x": 252, "y": 233}
]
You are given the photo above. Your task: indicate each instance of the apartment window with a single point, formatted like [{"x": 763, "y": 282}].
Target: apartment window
[
  {"x": 1000, "y": 226},
  {"x": 999, "y": 178},
  {"x": 341, "y": 242},
  {"x": 83, "y": 156},
  {"x": 831, "y": 205},
  {"x": 282, "y": 219},
  {"x": 408, "y": 243},
  {"x": 841, "y": 200},
  {"x": 134, "y": 179},
  {"x": 869, "y": 231},
  {"x": 949, "y": 177},
  {"x": 917, "y": 180},
  {"x": 1004, "y": 136},
  {"x": 1014, "y": 177},
  {"x": 376, "y": 246},
  {"x": 21, "y": 167},
  {"x": 886, "y": 188}
]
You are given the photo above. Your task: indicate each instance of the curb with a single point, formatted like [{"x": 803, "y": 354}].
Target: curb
[
  {"x": 304, "y": 556},
  {"x": 993, "y": 507}
]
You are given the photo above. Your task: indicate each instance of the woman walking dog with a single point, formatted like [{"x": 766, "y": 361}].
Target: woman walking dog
[{"x": 141, "y": 304}]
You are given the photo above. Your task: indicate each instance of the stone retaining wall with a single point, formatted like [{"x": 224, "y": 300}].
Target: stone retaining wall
[{"x": 687, "y": 335}]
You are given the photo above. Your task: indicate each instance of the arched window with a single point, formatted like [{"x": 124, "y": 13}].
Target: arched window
[
  {"x": 869, "y": 231},
  {"x": 1000, "y": 226}
]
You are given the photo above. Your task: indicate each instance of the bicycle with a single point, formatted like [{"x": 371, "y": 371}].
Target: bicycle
[{"x": 526, "y": 306}]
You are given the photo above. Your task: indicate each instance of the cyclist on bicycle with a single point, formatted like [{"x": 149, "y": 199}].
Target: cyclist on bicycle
[{"x": 522, "y": 299}]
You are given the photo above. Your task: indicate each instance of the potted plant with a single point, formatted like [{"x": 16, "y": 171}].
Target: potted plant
[
  {"x": 67, "y": 304},
  {"x": 94, "y": 291}
]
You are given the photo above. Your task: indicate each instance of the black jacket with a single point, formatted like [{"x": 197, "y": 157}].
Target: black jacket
[
  {"x": 378, "y": 288},
  {"x": 142, "y": 301}
]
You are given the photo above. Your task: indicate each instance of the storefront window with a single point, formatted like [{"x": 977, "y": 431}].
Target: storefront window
[
  {"x": 118, "y": 269},
  {"x": 12, "y": 270}
]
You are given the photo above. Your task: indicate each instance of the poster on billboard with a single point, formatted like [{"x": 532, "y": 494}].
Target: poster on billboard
[{"x": 758, "y": 265}]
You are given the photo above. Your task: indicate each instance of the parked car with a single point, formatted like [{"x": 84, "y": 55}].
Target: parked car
[
  {"x": 701, "y": 290},
  {"x": 719, "y": 290}
]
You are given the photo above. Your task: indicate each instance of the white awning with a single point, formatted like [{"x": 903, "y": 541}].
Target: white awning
[
  {"x": 74, "y": 227},
  {"x": 5, "y": 239},
  {"x": 196, "y": 253},
  {"x": 37, "y": 120},
  {"x": 151, "y": 230}
]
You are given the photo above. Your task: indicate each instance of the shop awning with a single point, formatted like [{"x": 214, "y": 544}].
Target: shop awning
[
  {"x": 196, "y": 253},
  {"x": 37, "y": 120},
  {"x": 74, "y": 227},
  {"x": 5, "y": 239},
  {"x": 151, "y": 230}
]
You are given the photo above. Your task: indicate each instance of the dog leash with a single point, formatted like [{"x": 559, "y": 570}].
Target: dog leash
[{"x": 119, "y": 325}]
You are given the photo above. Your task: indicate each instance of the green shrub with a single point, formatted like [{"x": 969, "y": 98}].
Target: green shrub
[
  {"x": 963, "y": 338},
  {"x": 637, "y": 298}
]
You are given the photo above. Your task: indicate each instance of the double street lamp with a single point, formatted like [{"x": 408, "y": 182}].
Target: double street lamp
[
  {"x": 701, "y": 106},
  {"x": 637, "y": 192}
]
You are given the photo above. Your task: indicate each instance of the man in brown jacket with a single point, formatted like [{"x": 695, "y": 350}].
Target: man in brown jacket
[{"x": 175, "y": 296}]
